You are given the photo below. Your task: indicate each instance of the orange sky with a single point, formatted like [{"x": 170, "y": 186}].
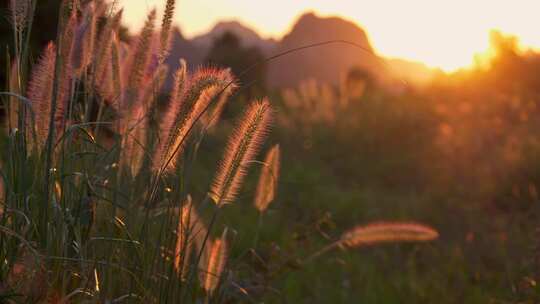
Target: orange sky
[{"x": 440, "y": 33}]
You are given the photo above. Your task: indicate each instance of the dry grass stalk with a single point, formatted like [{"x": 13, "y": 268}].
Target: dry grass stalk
[
  {"x": 241, "y": 150},
  {"x": 384, "y": 232},
  {"x": 268, "y": 180},
  {"x": 216, "y": 263}
]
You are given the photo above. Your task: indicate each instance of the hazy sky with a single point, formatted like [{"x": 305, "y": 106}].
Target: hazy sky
[{"x": 440, "y": 33}]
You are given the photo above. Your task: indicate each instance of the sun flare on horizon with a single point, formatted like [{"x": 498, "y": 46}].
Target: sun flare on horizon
[{"x": 440, "y": 34}]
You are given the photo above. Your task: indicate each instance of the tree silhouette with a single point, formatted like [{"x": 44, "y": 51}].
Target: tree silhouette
[{"x": 228, "y": 51}]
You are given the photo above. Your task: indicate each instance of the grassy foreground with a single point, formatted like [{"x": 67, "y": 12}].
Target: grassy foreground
[{"x": 105, "y": 194}]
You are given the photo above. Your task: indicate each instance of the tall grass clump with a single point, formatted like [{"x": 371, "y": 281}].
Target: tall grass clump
[{"x": 96, "y": 203}]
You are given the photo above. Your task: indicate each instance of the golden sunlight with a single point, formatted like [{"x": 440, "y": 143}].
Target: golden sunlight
[{"x": 444, "y": 34}]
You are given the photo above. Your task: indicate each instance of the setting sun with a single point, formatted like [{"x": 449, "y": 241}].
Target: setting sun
[{"x": 444, "y": 34}]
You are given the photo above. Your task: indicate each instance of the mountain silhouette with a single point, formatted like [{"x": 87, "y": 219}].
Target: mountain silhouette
[
  {"x": 247, "y": 36},
  {"x": 326, "y": 63}
]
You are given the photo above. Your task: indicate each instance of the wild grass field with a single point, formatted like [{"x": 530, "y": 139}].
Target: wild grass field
[{"x": 117, "y": 190}]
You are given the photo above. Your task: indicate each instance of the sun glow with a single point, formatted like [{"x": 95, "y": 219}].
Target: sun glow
[{"x": 444, "y": 34}]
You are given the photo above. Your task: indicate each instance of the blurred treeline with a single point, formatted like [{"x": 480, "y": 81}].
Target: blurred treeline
[{"x": 475, "y": 130}]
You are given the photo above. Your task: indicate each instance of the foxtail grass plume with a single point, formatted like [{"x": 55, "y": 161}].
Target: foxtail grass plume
[
  {"x": 268, "y": 181},
  {"x": 179, "y": 83},
  {"x": 242, "y": 148},
  {"x": 40, "y": 91},
  {"x": 84, "y": 39},
  {"x": 166, "y": 30},
  {"x": 184, "y": 111},
  {"x": 102, "y": 56},
  {"x": 386, "y": 232},
  {"x": 116, "y": 75},
  {"x": 68, "y": 38},
  {"x": 65, "y": 74},
  {"x": 141, "y": 53},
  {"x": 205, "y": 81},
  {"x": 216, "y": 263}
]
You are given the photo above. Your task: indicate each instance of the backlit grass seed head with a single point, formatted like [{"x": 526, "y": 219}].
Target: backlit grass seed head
[
  {"x": 216, "y": 263},
  {"x": 242, "y": 148},
  {"x": 203, "y": 79},
  {"x": 179, "y": 83},
  {"x": 40, "y": 91},
  {"x": 166, "y": 29},
  {"x": 170, "y": 122},
  {"x": 102, "y": 55},
  {"x": 141, "y": 53},
  {"x": 65, "y": 74},
  {"x": 174, "y": 147},
  {"x": 116, "y": 76},
  {"x": 385, "y": 232},
  {"x": 68, "y": 38},
  {"x": 84, "y": 39},
  {"x": 182, "y": 114},
  {"x": 268, "y": 181},
  {"x": 213, "y": 115}
]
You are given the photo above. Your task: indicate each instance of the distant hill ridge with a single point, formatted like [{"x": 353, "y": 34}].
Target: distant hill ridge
[
  {"x": 326, "y": 63},
  {"x": 248, "y": 36}
]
